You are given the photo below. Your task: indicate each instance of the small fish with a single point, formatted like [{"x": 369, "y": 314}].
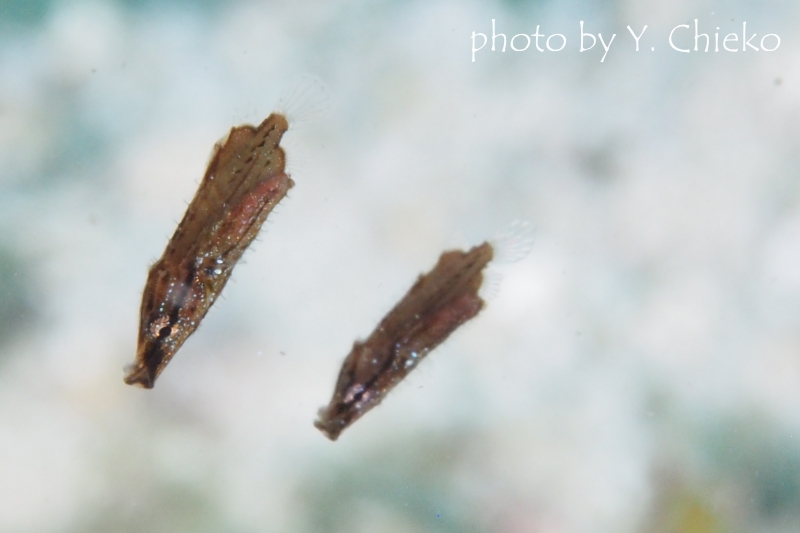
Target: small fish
[
  {"x": 245, "y": 180},
  {"x": 435, "y": 306}
]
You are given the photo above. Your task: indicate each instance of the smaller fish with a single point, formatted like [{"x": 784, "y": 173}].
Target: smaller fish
[
  {"x": 245, "y": 180},
  {"x": 435, "y": 306}
]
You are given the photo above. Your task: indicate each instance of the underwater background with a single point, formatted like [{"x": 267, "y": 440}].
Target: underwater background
[{"x": 638, "y": 372}]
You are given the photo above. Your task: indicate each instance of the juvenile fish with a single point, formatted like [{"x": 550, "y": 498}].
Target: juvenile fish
[
  {"x": 437, "y": 304},
  {"x": 245, "y": 180}
]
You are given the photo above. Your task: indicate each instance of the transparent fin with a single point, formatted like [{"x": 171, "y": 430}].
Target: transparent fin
[
  {"x": 297, "y": 157},
  {"x": 514, "y": 243},
  {"x": 490, "y": 288},
  {"x": 304, "y": 100}
]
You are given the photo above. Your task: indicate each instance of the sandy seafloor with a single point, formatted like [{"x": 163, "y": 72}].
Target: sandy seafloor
[{"x": 639, "y": 371}]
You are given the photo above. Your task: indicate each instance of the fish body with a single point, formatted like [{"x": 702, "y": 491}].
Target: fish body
[
  {"x": 435, "y": 306},
  {"x": 245, "y": 180}
]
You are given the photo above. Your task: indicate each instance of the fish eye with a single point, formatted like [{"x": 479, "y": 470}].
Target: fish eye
[{"x": 164, "y": 332}]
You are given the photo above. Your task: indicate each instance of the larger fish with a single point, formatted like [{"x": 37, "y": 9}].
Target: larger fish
[{"x": 245, "y": 179}]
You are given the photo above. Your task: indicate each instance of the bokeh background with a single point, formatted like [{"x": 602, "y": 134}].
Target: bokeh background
[{"x": 638, "y": 372}]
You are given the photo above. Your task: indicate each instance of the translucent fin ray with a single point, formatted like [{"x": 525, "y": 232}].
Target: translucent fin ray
[
  {"x": 490, "y": 288},
  {"x": 514, "y": 243},
  {"x": 304, "y": 100}
]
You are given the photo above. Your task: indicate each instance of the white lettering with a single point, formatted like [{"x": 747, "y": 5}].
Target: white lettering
[
  {"x": 673, "y": 44},
  {"x": 485, "y": 40},
  {"x": 604, "y": 44},
  {"x": 777, "y": 44},
  {"x": 698, "y": 35},
  {"x": 496, "y": 35},
  {"x": 635, "y": 37},
  {"x": 730, "y": 37},
  {"x": 563, "y": 42},
  {"x": 583, "y": 35},
  {"x": 527, "y": 45},
  {"x": 745, "y": 40},
  {"x": 536, "y": 36}
]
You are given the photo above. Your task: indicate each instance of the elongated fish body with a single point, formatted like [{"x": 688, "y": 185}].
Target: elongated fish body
[
  {"x": 245, "y": 180},
  {"x": 437, "y": 304}
]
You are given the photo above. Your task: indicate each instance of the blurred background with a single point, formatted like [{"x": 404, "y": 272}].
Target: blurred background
[{"x": 638, "y": 372}]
